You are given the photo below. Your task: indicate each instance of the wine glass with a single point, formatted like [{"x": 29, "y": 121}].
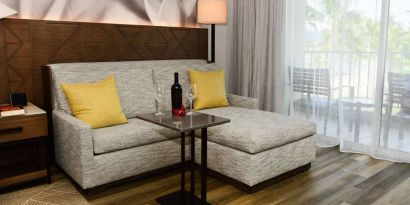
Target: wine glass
[
  {"x": 160, "y": 97},
  {"x": 190, "y": 92}
]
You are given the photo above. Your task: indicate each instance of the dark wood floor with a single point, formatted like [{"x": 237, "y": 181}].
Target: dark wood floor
[{"x": 335, "y": 178}]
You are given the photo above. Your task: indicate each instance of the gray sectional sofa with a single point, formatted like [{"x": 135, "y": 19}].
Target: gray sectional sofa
[{"x": 255, "y": 147}]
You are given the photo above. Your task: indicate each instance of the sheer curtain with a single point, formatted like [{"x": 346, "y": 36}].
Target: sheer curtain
[{"x": 348, "y": 66}]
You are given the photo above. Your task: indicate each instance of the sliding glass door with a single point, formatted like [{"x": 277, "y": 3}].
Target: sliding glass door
[
  {"x": 394, "y": 134},
  {"x": 348, "y": 63}
]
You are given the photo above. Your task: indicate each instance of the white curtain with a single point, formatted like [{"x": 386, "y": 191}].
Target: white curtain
[{"x": 348, "y": 66}]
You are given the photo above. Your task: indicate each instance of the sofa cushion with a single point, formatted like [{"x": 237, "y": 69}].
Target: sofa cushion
[
  {"x": 254, "y": 131},
  {"x": 133, "y": 134},
  {"x": 134, "y": 83}
]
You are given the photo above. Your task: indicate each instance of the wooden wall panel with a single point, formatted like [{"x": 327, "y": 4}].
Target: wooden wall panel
[
  {"x": 26, "y": 45},
  {"x": 4, "y": 82}
]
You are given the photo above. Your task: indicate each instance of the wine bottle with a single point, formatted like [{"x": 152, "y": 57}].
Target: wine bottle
[{"x": 176, "y": 95}]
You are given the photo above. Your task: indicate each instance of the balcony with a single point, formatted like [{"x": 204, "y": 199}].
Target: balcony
[{"x": 355, "y": 73}]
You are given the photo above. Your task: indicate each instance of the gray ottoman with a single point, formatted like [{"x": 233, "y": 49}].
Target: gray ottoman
[{"x": 258, "y": 148}]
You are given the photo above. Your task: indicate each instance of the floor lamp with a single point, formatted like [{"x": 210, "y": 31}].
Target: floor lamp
[{"x": 212, "y": 12}]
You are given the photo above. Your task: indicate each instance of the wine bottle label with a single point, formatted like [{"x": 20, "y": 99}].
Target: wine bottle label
[{"x": 176, "y": 99}]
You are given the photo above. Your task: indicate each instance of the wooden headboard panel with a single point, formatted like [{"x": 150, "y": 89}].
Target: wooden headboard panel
[{"x": 26, "y": 45}]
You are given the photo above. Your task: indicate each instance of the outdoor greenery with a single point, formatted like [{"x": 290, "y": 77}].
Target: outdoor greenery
[{"x": 344, "y": 28}]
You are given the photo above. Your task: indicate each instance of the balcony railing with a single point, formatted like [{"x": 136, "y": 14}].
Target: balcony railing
[{"x": 356, "y": 69}]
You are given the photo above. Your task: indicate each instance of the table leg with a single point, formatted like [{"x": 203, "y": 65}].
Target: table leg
[
  {"x": 183, "y": 166},
  {"x": 357, "y": 122},
  {"x": 341, "y": 120},
  {"x": 182, "y": 196},
  {"x": 350, "y": 117},
  {"x": 192, "y": 166},
  {"x": 386, "y": 126},
  {"x": 204, "y": 136}
]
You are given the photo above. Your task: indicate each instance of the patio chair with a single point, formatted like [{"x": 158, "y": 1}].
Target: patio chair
[
  {"x": 315, "y": 87},
  {"x": 397, "y": 97}
]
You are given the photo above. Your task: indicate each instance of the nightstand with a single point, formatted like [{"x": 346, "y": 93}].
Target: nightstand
[{"x": 24, "y": 147}]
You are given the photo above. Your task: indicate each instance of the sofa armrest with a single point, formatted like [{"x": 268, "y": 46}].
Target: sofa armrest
[
  {"x": 241, "y": 101},
  {"x": 73, "y": 146}
]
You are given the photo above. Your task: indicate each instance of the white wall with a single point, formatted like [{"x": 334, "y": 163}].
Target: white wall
[
  {"x": 221, "y": 41},
  {"x": 222, "y": 38},
  {"x": 221, "y": 32}
]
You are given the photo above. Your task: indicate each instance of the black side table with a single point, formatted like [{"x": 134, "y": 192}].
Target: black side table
[{"x": 185, "y": 124}]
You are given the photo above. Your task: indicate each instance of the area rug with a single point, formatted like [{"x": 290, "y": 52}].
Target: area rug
[{"x": 61, "y": 192}]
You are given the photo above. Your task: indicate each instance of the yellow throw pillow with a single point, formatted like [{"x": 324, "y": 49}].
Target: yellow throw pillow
[
  {"x": 96, "y": 104},
  {"x": 210, "y": 86}
]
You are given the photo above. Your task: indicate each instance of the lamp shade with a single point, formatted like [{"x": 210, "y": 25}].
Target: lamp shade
[
  {"x": 212, "y": 11},
  {"x": 6, "y": 11}
]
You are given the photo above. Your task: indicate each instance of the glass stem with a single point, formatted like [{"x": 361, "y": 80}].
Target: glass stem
[
  {"x": 159, "y": 107},
  {"x": 190, "y": 101}
]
